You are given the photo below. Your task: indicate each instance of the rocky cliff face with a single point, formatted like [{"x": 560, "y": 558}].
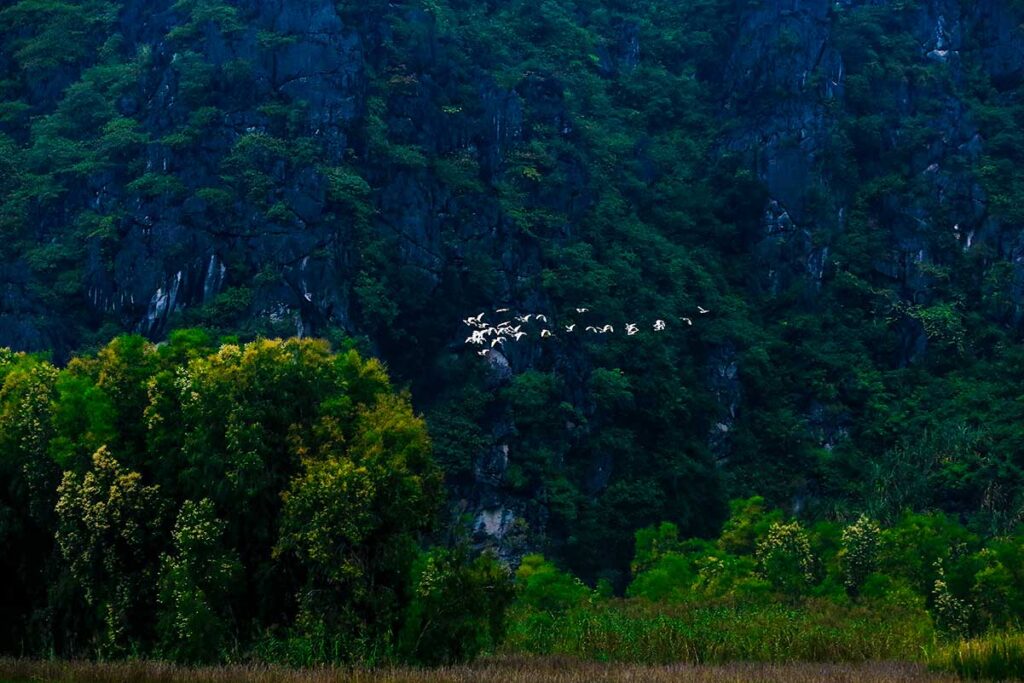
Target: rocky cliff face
[{"x": 381, "y": 169}]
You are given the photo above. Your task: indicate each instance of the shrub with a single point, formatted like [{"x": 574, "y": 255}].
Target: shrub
[
  {"x": 859, "y": 554},
  {"x": 458, "y": 606},
  {"x": 784, "y": 558}
]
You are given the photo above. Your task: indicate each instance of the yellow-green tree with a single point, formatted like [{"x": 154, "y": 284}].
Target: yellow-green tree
[
  {"x": 197, "y": 579},
  {"x": 108, "y": 525},
  {"x": 351, "y": 518}
]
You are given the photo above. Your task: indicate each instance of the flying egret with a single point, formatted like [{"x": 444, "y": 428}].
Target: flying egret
[
  {"x": 659, "y": 325},
  {"x": 483, "y": 352},
  {"x": 702, "y": 310},
  {"x": 687, "y": 321},
  {"x": 570, "y": 328},
  {"x": 545, "y": 333},
  {"x": 607, "y": 328},
  {"x": 501, "y": 310},
  {"x": 631, "y": 329},
  {"x": 520, "y": 335},
  {"x": 496, "y": 341},
  {"x": 591, "y": 328},
  {"x": 541, "y": 317},
  {"x": 524, "y": 318},
  {"x": 582, "y": 310}
]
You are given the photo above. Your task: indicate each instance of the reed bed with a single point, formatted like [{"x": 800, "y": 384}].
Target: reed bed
[
  {"x": 498, "y": 670},
  {"x": 998, "y": 657},
  {"x": 644, "y": 633}
]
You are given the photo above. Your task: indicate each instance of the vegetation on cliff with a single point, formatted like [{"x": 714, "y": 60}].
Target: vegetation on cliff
[{"x": 839, "y": 183}]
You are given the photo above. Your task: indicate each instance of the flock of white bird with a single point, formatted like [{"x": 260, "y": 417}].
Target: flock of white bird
[{"x": 490, "y": 336}]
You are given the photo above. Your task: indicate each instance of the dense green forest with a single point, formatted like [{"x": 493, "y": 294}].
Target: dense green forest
[
  {"x": 208, "y": 501},
  {"x": 852, "y": 225},
  {"x": 839, "y": 183},
  {"x": 188, "y": 500}
]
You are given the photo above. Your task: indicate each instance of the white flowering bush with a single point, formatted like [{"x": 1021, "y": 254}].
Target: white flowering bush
[
  {"x": 785, "y": 560},
  {"x": 859, "y": 553}
]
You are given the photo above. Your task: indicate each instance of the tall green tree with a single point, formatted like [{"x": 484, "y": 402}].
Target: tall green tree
[
  {"x": 197, "y": 580},
  {"x": 109, "y": 531},
  {"x": 352, "y": 515}
]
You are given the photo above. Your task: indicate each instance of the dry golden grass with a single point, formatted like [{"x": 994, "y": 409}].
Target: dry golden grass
[{"x": 502, "y": 670}]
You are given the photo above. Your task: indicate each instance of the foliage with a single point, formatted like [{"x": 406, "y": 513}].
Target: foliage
[
  {"x": 995, "y": 657},
  {"x": 784, "y": 558},
  {"x": 351, "y": 517},
  {"x": 862, "y": 358},
  {"x": 458, "y": 607},
  {"x": 859, "y": 554},
  {"x": 967, "y": 585},
  {"x": 196, "y": 585},
  {"x": 108, "y": 525},
  {"x": 546, "y": 588},
  {"x": 213, "y": 492},
  {"x": 653, "y": 633},
  {"x": 551, "y": 156}
]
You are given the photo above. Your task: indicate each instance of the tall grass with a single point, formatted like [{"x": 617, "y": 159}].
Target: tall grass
[
  {"x": 641, "y": 632},
  {"x": 998, "y": 657},
  {"x": 503, "y": 670}
]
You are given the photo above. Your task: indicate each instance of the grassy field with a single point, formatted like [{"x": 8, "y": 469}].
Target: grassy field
[
  {"x": 504, "y": 670},
  {"x": 639, "y": 632}
]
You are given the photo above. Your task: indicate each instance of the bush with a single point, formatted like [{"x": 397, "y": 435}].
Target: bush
[
  {"x": 458, "y": 607},
  {"x": 784, "y": 558},
  {"x": 859, "y": 554}
]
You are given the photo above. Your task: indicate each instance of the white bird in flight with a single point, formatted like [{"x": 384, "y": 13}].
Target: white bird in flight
[
  {"x": 501, "y": 332},
  {"x": 702, "y": 310}
]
